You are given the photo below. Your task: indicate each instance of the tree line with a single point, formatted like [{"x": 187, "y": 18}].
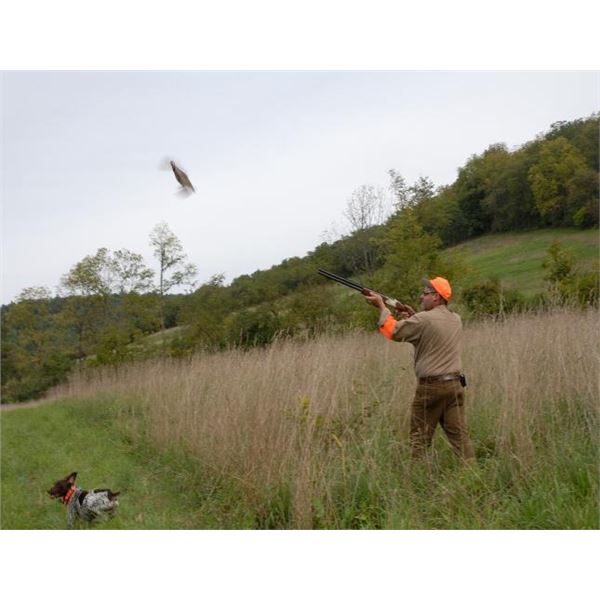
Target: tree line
[
  {"x": 106, "y": 302},
  {"x": 110, "y": 301}
]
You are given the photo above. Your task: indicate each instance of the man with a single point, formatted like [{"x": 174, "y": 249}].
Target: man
[{"x": 436, "y": 334}]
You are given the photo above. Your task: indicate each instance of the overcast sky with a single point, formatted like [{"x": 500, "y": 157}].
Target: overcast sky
[{"x": 274, "y": 156}]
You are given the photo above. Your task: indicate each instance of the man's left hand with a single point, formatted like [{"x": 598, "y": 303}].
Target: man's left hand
[{"x": 374, "y": 299}]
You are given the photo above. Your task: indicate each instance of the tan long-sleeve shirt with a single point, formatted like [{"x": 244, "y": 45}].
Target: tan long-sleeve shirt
[{"x": 436, "y": 335}]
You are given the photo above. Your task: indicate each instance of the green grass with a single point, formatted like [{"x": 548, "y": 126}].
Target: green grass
[
  {"x": 168, "y": 490},
  {"x": 517, "y": 258},
  {"x": 46, "y": 443}
]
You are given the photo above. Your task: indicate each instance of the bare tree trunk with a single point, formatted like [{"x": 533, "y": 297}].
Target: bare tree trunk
[{"x": 162, "y": 306}]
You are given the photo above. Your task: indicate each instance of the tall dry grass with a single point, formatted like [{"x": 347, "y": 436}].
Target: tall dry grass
[{"x": 315, "y": 433}]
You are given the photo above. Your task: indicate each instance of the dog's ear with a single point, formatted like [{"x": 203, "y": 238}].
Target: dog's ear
[{"x": 71, "y": 478}]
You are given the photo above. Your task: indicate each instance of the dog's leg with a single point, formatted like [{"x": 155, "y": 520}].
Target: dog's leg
[{"x": 71, "y": 515}]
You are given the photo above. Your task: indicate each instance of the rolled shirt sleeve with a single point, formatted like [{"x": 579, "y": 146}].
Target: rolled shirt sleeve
[{"x": 405, "y": 330}]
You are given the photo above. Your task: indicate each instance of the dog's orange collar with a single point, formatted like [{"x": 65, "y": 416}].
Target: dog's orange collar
[{"x": 69, "y": 494}]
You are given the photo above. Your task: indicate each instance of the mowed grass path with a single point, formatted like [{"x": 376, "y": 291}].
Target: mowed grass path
[
  {"x": 43, "y": 444},
  {"x": 517, "y": 258}
]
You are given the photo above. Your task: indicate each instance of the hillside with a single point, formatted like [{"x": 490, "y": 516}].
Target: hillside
[{"x": 516, "y": 258}]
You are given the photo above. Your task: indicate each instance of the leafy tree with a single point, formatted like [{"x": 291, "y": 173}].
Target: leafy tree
[
  {"x": 360, "y": 252},
  {"x": 103, "y": 291},
  {"x": 131, "y": 275},
  {"x": 399, "y": 189},
  {"x": 137, "y": 313},
  {"x": 112, "y": 347},
  {"x": 205, "y": 313},
  {"x": 88, "y": 285},
  {"x": 472, "y": 187},
  {"x": 583, "y": 134},
  {"x": 91, "y": 276},
  {"x": 411, "y": 255},
  {"x": 311, "y": 310},
  {"x": 103, "y": 274},
  {"x": 584, "y": 197},
  {"x": 440, "y": 215},
  {"x": 325, "y": 257},
  {"x": 245, "y": 291},
  {"x": 490, "y": 167},
  {"x": 34, "y": 354},
  {"x": 559, "y": 264},
  {"x": 256, "y": 326},
  {"x": 294, "y": 273},
  {"x": 565, "y": 282},
  {"x": 556, "y": 181},
  {"x": 509, "y": 200},
  {"x": 173, "y": 270},
  {"x": 585, "y": 287},
  {"x": 406, "y": 196},
  {"x": 422, "y": 190}
]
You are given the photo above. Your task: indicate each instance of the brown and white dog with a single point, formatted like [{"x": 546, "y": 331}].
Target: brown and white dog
[{"x": 83, "y": 504}]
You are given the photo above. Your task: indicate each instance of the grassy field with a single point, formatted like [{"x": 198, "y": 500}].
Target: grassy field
[
  {"x": 314, "y": 435},
  {"x": 43, "y": 444},
  {"x": 517, "y": 258}
]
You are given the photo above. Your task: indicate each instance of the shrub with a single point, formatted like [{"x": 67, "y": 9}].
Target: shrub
[
  {"x": 488, "y": 298},
  {"x": 254, "y": 327}
]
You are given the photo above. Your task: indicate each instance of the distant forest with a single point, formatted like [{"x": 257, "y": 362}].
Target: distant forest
[{"x": 111, "y": 302}]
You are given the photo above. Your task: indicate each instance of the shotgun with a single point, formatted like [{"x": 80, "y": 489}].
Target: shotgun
[{"x": 391, "y": 302}]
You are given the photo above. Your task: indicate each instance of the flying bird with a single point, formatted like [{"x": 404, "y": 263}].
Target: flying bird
[{"x": 182, "y": 178}]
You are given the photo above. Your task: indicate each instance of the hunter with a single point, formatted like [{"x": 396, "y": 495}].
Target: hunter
[{"x": 436, "y": 334}]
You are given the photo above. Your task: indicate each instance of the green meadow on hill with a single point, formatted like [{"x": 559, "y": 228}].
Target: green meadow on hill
[{"x": 516, "y": 259}]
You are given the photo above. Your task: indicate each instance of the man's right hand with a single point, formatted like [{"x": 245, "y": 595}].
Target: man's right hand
[{"x": 404, "y": 311}]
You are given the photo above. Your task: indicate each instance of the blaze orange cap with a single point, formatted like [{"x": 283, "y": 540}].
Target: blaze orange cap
[{"x": 441, "y": 286}]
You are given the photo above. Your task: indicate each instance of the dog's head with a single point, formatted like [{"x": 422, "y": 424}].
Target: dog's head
[{"x": 62, "y": 486}]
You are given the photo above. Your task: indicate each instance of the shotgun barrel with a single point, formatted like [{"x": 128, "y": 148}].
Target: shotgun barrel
[{"x": 391, "y": 302}]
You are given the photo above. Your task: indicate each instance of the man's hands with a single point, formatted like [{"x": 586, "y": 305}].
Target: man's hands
[{"x": 403, "y": 311}]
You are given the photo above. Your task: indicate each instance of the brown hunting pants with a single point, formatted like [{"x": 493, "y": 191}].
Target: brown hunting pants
[{"x": 443, "y": 403}]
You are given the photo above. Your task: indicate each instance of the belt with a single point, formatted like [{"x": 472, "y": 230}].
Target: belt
[{"x": 440, "y": 378}]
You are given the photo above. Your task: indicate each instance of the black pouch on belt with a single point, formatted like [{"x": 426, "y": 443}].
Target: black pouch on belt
[{"x": 463, "y": 380}]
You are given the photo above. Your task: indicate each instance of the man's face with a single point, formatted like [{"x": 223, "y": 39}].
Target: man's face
[{"x": 429, "y": 299}]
